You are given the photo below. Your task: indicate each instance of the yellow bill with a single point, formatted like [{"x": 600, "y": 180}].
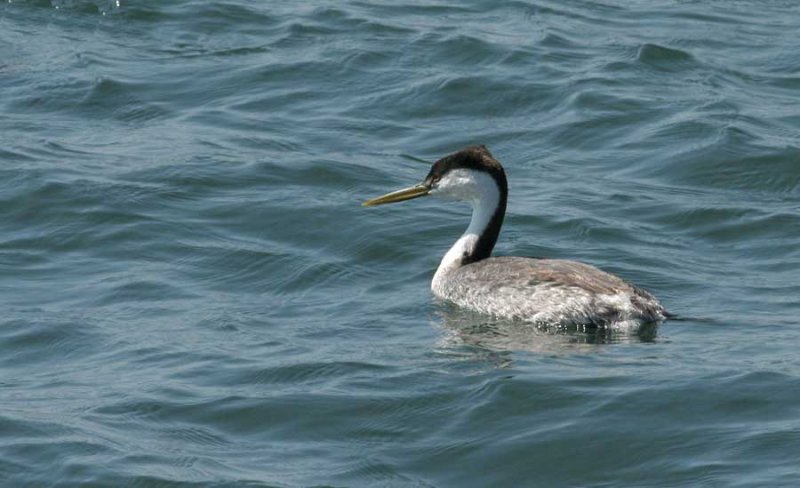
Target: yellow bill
[{"x": 399, "y": 196}]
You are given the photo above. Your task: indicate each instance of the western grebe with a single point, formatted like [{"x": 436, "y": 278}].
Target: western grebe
[{"x": 543, "y": 291}]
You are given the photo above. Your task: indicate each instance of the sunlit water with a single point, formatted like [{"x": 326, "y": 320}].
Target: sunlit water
[{"x": 192, "y": 295}]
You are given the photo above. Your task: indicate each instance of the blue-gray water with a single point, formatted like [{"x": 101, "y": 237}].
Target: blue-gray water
[{"x": 192, "y": 296}]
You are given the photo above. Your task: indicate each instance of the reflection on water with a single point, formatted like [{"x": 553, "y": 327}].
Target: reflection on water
[{"x": 462, "y": 327}]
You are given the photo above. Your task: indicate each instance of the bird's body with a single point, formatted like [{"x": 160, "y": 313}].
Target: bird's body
[
  {"x": 548, "y": 291},
  {"x": 543, "y": 291}
]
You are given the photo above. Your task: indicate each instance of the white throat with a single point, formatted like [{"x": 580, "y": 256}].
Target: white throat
[{"x": 480, "y": 190}]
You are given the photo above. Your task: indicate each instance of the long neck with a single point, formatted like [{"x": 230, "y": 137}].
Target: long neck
[
  {"x": 484, "y": 228},
  {"x": 488, "y": 211}
]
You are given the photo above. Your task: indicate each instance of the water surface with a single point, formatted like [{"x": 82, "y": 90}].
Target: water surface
[{"x": 193, "y": 296}]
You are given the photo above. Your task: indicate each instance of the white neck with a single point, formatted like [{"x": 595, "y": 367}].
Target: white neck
[{"x": 484, "y": 196}]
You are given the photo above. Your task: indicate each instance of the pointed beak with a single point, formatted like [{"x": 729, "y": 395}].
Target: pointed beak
[{"x": 399, "y": 195}]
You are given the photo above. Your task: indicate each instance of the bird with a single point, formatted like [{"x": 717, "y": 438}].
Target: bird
[{"x": 548, "y": 292}]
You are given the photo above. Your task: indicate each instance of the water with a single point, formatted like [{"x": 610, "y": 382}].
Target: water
[{"x": 192, "y": 295}]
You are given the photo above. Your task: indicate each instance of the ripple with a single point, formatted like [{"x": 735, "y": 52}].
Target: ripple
[
  {"x": 665, "y": 58},
  {"x": 68, "y": 338}
]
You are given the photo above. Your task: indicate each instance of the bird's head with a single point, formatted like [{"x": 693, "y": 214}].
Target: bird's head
[{"x": 471, "y": 174}]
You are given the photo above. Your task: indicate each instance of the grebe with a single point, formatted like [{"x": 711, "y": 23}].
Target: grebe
[{"x": 542, "y": 291}]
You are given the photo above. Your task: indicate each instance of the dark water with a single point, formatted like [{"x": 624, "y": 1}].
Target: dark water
[{"x": 192, "y": 295}]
